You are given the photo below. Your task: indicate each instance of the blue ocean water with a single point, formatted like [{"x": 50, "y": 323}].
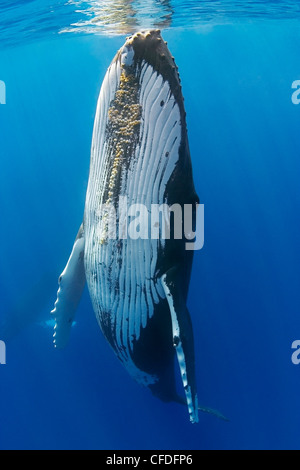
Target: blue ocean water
[{"x": 237, "y": 62}]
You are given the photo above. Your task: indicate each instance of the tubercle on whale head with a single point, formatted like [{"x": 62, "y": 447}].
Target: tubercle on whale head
[
  {"x": 149, "y": 46},
  {"x": 153, "y": 34}
]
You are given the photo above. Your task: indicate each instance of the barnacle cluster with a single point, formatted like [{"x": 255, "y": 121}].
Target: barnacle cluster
[{"x": 124, "y": 117}]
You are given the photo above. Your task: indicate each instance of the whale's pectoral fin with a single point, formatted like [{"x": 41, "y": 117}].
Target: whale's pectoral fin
[
  {"x": 71, "y": 285},
  {"x": 182, "y": 338}
]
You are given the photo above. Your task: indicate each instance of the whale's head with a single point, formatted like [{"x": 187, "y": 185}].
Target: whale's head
[{"x": 150, "y": 47}]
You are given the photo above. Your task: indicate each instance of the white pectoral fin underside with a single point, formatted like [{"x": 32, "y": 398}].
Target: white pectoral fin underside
[
  {"x": 71, "y": 285},
  {"x": 182, "y": 340}
]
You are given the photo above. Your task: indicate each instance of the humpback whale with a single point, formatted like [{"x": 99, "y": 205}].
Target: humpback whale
[{"x": 138, "y": 285}]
